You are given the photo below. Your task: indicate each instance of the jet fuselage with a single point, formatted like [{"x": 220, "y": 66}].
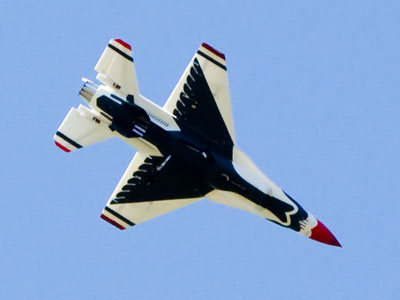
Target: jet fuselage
[
  {"x": 211, "y": 163},
  {"x": 186, "y": 149}
]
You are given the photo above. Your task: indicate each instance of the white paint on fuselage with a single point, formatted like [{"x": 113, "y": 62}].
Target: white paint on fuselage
[
  {"x": 248, "y": 170},
  {"x": 157, "y": 114}
]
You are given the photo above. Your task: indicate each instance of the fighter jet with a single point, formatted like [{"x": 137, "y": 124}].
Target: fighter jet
[{"x": 186, "y": 150}]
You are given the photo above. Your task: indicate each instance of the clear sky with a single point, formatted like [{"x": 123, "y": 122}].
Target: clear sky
[{"x": 316, "y": 101}]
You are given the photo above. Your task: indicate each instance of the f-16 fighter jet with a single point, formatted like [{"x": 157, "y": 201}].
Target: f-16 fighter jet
[{"x": 186, "y": 149}]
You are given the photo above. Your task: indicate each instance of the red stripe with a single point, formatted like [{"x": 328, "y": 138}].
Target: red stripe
[
  {"x": 62, "y": 147},
  {"x": 112, "y": 222},
  {"x": 121, "y": 42},
  {"x": 216, "y": 52}
]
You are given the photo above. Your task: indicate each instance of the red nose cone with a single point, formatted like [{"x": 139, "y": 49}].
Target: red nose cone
[{"x": 322, "y": 234}]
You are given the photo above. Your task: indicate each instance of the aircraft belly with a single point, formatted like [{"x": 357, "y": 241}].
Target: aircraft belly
[
  {"x": 185, "y": 150},
  {"x": 142, "y": 146},
  {"x": 236, "y": 183},
  {"x": 238, "y": 201}
]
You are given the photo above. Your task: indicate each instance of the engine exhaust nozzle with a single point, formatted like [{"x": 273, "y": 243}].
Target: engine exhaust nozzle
[{"x": 88, "y": 90}]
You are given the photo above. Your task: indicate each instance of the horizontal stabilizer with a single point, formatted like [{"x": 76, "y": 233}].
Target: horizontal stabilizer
[
  {"x": 116, "y": 69},
  {"x": 81, "y": 128}
]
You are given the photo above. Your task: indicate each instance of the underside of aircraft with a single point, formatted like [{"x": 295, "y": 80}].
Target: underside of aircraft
[{"x": 186, "y": 150}]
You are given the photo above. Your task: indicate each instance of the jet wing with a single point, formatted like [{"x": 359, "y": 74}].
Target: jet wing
[
  {"x": 201, "y": 97},
  {"x": 150, "y": 187},
  {"x": 116, "y": 69}
]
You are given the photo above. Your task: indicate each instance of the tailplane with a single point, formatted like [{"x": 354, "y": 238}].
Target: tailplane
[
  {"x": 80, "y": 128},
  {"x": 116, "y": 68}
]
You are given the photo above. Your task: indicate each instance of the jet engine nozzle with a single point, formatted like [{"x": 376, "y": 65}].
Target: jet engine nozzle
[{"x": 88, "y": 90}]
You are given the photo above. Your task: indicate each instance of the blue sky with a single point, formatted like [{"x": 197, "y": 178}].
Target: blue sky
[{"x": 315, "y": 97}]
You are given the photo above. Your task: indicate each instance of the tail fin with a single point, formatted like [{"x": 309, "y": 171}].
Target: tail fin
[{"x": 81, "y": 128}]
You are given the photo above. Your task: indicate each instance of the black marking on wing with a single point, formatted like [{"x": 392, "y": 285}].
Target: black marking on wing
[
  {"x": 197, "y": 108},
  {"x": 154, "y": 181},
  {"x": 212, "y": 60},
  {"x": 121, "y": 217}
]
